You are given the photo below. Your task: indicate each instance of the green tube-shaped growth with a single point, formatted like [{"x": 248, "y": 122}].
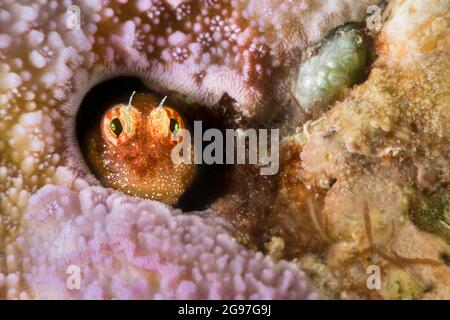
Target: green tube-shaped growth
[{"x": 342, "y": 60}]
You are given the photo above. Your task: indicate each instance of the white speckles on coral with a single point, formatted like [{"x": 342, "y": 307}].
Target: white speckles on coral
[
  {"x": 142, "y": 250},
  {"x": 155, "y": 10},
  {"x": 5, "y": 41},
  {"x": 78, "y": 39},
  {"x": 183, "y": 10},
  {"x": 180, "y": 54},
  {"x": 205, "y": 39},
  {"x": 9, "y": 81},
  {"x": 34, "y": 38},
  {"x": 259, "y": 48},
  {"x": 22, "y": 16},
  {"x": 176, "y": 3},
  {"x": 34, "y": 134},
  {"x": 211, "y": 2},
  {"x": 216, "y": 24},
  {"x": 295, "y": 24},
  {"x": 178, "y": 38},
  {"x": 232, "y": 31},
  {"x": 37, "y": 60}
]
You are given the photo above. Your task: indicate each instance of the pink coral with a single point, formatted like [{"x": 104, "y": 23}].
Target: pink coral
[{"x": 142, "y": 249}]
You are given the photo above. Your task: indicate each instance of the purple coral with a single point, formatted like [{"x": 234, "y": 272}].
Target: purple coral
[
  {"x": 183, "y": 10},
  {"x": 216, "y": 24},
  {"x": 142, "y": 249},
  {"x": 205, "y": 39},
  {"x": 180, "y": 54}
]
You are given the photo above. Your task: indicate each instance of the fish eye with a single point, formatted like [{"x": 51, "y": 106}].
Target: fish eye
[
  {"x": 116, "y": 126},
  {"x": 120, "y": 124},
  {"x": 174, "y": 127}
]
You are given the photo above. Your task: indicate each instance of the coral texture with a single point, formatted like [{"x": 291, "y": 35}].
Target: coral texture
[
  {"x": 356, "y": 173},
  {"x": 49, "y": 215},
  {"x": 128, "y": 248}
]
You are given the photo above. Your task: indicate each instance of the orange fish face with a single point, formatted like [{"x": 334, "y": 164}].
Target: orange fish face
[{"x": 132, "y": 153}]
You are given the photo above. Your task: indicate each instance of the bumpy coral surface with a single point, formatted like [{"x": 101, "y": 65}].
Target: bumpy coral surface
[
  {"x": 53, "y": 214},
  {"x": 127, "y": 248},
  {"x": 370, "y": 176}
]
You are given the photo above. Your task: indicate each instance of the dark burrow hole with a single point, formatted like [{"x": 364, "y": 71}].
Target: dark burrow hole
[
  {"x": 445, "y": 258},
  {"x": 207, "y": 185}
]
